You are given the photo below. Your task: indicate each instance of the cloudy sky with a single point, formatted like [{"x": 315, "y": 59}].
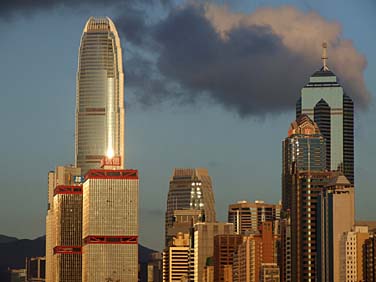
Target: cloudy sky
[{"x": 208, "y": 83}]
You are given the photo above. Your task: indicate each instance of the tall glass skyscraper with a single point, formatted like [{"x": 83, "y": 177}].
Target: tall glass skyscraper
[
  {"x": 324, "y": 100},
  {"x": 302, "y": 150},
  {"x": 100, "y": 95},
  {"x": 191, "y": 190},
  {"x": 303, "y": 177}
]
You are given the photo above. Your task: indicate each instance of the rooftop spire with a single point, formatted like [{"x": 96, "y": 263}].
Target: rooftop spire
[{"x": 324, "y": 56}]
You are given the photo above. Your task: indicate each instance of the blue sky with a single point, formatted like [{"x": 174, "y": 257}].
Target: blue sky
[{"x": 38, "y": 59}]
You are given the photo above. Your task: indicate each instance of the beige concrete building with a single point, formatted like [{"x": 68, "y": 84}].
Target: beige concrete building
[
  {"x": 176, "y": 259},
  {"x": 244, "y": 266},
  {"x": 336, "y": 217},
  {"x": 255, "y": 250},
  {"x": 204, "y": 233},
  {"x": 352, "y": 258},
  {"x": 110, "y": 226}
]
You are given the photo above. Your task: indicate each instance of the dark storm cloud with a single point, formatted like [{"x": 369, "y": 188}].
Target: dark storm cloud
[
  {"x": 131, "y": 12},
  {"x": 252, "y": 64},
  {"x": 250, "y": 70}
]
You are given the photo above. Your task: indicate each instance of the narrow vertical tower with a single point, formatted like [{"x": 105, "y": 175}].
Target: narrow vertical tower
[
  {"x": 323, "y": 99},
  {"x": 100, "y": 95}
]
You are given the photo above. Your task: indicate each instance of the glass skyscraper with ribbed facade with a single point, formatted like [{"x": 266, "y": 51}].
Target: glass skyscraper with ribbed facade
[
  {"x": 99, "y": 95},
  {"x": 190, "y": 190},
  {"x": 324, "y": 100}
]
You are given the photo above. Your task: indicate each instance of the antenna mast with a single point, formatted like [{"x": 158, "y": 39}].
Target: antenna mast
[{"x": 324, "y": 56}]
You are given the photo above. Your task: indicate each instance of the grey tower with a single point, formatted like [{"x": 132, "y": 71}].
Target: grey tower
[
  {"x": 324, "y": 100},
  {"x": 190, "y": 189},
  {"x": 100, "y": 95}
]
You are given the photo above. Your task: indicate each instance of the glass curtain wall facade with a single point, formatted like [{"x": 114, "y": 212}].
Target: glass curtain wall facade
[
  {"x": 303, "y": 149},
  {"x": 323, "y": 100},
  {"x": 100, "y": 95},
  {"x": 190, "y": 189}
]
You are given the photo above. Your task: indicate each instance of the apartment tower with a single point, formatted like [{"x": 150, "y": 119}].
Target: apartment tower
[{"x": 100, "y": 96}]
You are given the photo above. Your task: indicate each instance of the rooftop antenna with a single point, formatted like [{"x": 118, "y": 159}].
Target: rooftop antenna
[{"x": 324, "y": 56}]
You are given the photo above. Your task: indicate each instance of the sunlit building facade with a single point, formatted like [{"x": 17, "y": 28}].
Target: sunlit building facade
[
  {"x": 176, "y": 259},
  {"x": 100, "y": 95},
  {"x": 248, "y": 216},
  {"x": 323, "y": 99},
  {"x": 190, "y": 189},
  {"x": 110, "y": 226},
  {"x": 204, "y": 233},
  {"x": 335, "y": 217},
  {"x": 63, "y": 225}
]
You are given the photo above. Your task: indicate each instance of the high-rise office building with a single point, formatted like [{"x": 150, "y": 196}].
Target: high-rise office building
[
  {"x": 63, "y": 233},
  {"x": 68, "y": 233},
  {"x": 255, "y": 250},
  {"x": 304, "y": 176},
  {"x": 335, "y": 217},
  {"x": 190, "y": 189},
  {"x": 303, "y": 149},
  {"x": 100, "y": 95},
  {"x": 203, "y": 240},
  {"x": 110, "y": 225},
  {"x": 306, "y": 188},
  {"x": 224, "y": 247},
  {"x": 324, "y": 101},
  {"x": 248, "y": 216}
]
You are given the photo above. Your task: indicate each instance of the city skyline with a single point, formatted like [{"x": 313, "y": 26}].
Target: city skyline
[{"x": 215, "y": 116}]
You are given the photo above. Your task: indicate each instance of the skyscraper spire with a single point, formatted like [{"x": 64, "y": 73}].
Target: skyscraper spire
[{"x": 324, "y": 56}]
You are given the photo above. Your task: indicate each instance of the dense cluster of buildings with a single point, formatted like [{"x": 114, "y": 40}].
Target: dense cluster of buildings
[{"x": 311, "y": 235}]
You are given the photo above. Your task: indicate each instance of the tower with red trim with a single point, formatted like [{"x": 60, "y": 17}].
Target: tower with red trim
[
  {"x": 64, "y": 225},
  {"x": 110, "y": 225}
]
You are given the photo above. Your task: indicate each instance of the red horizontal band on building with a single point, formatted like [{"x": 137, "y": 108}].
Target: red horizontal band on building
[
  {"x": 68, "y": 189},
  {"x": 112, "y": 174},
  {"x": 128, "y": 240},
  {"x": 68, "y": 250}
]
